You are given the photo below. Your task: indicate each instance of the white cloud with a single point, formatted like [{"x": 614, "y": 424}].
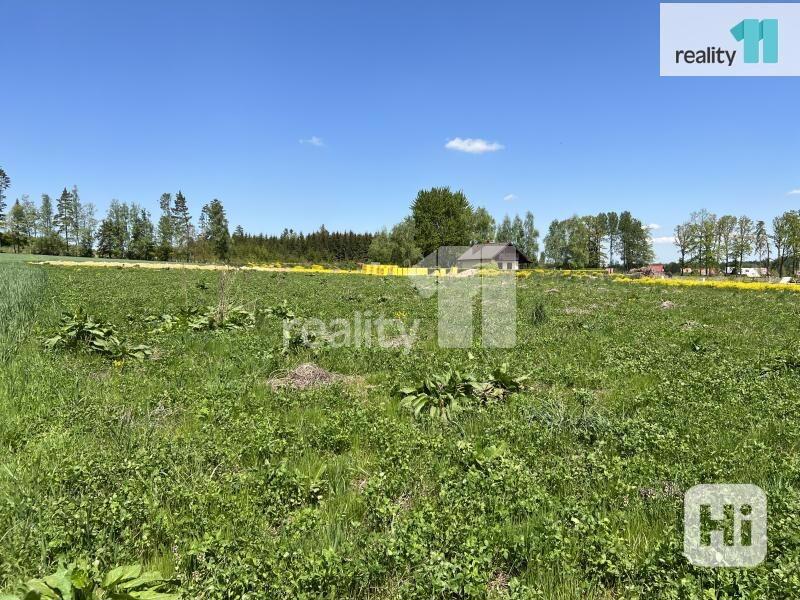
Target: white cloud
[
  {"x": 510, "y": 197},
  {"x": 653, "y": 226},
  {"x": 793, "y": 192},
  {"x": 664, "y": 239},
  {"x": 473, "y": 145},
  {"x": 313, "y": 141}
]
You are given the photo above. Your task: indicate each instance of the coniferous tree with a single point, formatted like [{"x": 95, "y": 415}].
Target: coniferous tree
[
  {"x": 46, "y": 216},
  {"x": 182, "y": 221},
  {"x": 48, "y": 241},
  {"x": 166, "y": 230},
  {"x": 142, "y": 241},
  {"x": 5, "y": 183},
  {"x": 217, "y": 229},
  {"x": 62, "y": 218},
  {"x": 105, "y": 239},
  {"x": 74, "y": 207},
  {"x": 118, "y": 218},
  {"x": 17, "y": 227}
]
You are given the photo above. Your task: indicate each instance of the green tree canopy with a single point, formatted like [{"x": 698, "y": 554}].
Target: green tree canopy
[
  {"x": 441, "y": 218},
  {"x": 216, "y": 230},
  {"x": 636, "y": 245},
  {"x": 482, "y": 226},
  {"x": 398, "y": 247},
  {"x": 5, "y": 183}
]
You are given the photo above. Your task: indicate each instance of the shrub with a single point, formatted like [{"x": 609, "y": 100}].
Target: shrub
[
  {"x": 441, "y": 395},
  {"x": 79, "y": 330},
  {"x": 74, "y": 582}
]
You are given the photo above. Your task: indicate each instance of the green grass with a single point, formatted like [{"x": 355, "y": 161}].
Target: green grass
[
  {"x": 194, "y": 464},
  {"x": 21, "y": 295},
  {"x": 11, "y": 257}
]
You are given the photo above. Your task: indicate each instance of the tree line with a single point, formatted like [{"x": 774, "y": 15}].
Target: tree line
[
  {"x": 69, "y": 227},
  {"x": 707, "y": 242},
  {"x": 441, "y": 217},
  {"x": 438, "y": 217},
  {"x": 581, "y": 242},
  {"x": 321, "y": 246}
]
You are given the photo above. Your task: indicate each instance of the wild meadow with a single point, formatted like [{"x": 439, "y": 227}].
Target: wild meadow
[{"x": 157, "y": 424}]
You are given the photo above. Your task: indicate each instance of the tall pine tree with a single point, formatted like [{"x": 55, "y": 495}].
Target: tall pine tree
[
  {"x": 5, "y": 183},
  {"x": 63, "y": 219},
  {"x": 217, "y": 230},
  {"x": 166, "y": 228},
  {"x": 182, "y": 222}
]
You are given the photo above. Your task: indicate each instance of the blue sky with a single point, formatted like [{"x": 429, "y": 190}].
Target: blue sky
[{"x": 131, "y": 99}]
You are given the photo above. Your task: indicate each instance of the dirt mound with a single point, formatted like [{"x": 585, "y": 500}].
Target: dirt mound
[
  {"x": 307, "y": 375},
  {"x": 667, "y": 304}
]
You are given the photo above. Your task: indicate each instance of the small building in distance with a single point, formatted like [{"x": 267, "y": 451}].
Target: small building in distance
[{"x": 506, "y": 256}]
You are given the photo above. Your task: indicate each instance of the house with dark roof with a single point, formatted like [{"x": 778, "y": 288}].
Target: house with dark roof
[{"x": 506, "y": 256}]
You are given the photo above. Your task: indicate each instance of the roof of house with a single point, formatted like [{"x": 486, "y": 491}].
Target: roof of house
[{"x": 489, "y": 252}]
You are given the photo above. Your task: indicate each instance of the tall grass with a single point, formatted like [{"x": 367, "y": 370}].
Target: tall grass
[{"x": 21, "y": 292}]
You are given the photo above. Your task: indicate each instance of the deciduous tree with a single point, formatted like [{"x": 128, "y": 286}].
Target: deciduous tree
[
  {"x": 441, "y": 218},
  {"x": 636, "y": 246},
  {"x": 483, "y": 226},
  {"x": 743, "y": 239}
]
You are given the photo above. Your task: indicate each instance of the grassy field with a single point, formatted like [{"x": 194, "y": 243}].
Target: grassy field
[{"x": 192, "y": 462}]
